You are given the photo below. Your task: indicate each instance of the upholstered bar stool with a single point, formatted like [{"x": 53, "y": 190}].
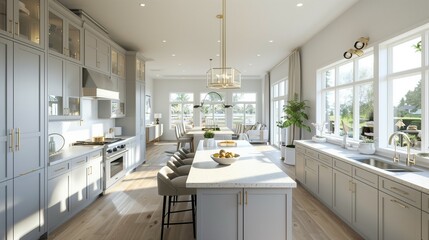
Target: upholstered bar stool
[
  {"x": 170, "y": 185},
  {"x": 182, "y": 140},
  {"x": 181, "y": 170},
  {"x": 183, "y": 161},
  {"x": 186, "y": 154}
]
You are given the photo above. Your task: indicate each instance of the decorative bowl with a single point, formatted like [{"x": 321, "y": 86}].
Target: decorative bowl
[{"x": 225, "y": 161}]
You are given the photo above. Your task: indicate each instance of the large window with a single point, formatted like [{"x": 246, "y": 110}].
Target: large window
[
  {"x": 406, "y": 75},
  {"x": 244, "y": 110},
  {"x": 181, "y": 109},
  {"x": 347, "y": 97},
  {"x": 212, "y": 112},
  {"x": 278, "y": 99}
]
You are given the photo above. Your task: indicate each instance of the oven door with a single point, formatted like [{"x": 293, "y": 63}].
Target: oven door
[{"x": 115, "y": 168}]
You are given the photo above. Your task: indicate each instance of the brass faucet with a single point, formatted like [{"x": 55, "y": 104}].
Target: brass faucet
[{"x": 408, "y": 160}]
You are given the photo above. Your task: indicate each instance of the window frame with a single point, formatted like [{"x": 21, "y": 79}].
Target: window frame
[{"x": 182, "y": 103}]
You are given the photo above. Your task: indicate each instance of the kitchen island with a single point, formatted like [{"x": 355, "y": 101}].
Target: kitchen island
[
  {"x": 223, "y": 133},
  {"x": 249, "y": 199}
]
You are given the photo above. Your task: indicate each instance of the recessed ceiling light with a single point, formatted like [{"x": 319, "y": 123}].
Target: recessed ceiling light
[
  {"x": 258, "y": 55},
  {"x": 218, "y": 55},
  {"x": 173, "y": 55},
  {"x": 300, "y": 4},
  {"x": 218, "y": 41},
  {"x": 164, "y": 41},
  {"x": 250, "y": 64},
  {"x": 270, "y": 41},
  {"x": 142, "y": 4}
]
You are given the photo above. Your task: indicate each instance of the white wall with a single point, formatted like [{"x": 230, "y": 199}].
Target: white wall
[
  {"x": 377, "y": 19},
  {"x": 163, "y": 87},
  {"x": 90, "y": 127}
]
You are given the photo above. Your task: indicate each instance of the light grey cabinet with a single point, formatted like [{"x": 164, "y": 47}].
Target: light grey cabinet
[
  {"x": 78, "y": 189},
  {"x": 398, "y": 220},
  {"x": 29, "y": 204},
  {"x": 425, "y": 225},
  {"x": 246, "y": 214},
  {"x": 58, "y": 199},
  {"x": 65, "y": 32},
  {"x": 24, "y": 20},
  {"x": 97, "y": 53},
  {"x": 64, "y": 89},
  {"x": 325, "y": 184},
  {"x": 118, "y": 61},
  {"x": 311, "y": 175},
  {"x": 300, "y": 164},
  {"x": 342, "y": 195},
  {"x": 95, "y": 175},
  {"x": 6, "y": 209}
]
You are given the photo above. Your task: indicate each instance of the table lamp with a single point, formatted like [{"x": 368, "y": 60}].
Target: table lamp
[{"x": 157, "y": 116}]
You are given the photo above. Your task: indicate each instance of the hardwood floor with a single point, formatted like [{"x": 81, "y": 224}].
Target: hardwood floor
[{"x": 132, "y": 209}]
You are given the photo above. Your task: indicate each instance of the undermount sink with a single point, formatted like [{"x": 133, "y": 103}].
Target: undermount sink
[{"x": 378, "y": 163}]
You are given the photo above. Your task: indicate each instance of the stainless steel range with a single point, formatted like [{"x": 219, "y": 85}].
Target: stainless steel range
[{"x": 114, "y": 156}]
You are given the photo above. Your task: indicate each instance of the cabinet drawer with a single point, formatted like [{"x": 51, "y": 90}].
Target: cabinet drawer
[
  {"x": 404, "y": 193},
  {"x": 425, "y": 202},
  {"x": 325, "y": 159},
  {"x": 58, "y": 169},
  {"x": 76, "y": 162},
  {"x": 311, "y": 153},
  {"x": 310, "y": 163},
  {"x": 342, "y": 166},
  {"x": 365, "y": 177},
  {"x": 95, "y": 155},
  {"x": 300, "y": 150}
]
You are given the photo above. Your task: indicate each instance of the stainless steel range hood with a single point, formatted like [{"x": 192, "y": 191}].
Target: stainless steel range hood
[{"x": 98, "y": 86}]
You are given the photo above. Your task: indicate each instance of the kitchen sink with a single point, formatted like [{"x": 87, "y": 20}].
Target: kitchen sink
[{"x": 382, "y": 164}]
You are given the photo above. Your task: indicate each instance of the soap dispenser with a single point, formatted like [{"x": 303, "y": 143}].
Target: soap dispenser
[{"x": 51, "y": 145}]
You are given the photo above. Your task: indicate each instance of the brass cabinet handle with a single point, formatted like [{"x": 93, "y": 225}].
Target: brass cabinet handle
[
  {"x": 239, "y": 198},
  {"x": 10, "y": 25},
  {"x": 59, "y": 169},
  {"x": 245, "y": 202},
  {"x": 400, "y": 204},
  {"x": 11, "y": 140},
  {"x": 18, "y": 133},
  {"x": 16, "y": 28},
  {"x": 399, "y": 190}
]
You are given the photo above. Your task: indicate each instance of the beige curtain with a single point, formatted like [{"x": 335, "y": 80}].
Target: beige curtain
[{"x": 294, "y": 82}]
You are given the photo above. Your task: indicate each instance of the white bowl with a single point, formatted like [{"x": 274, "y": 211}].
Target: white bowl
[{"x": 225, "y": 161}]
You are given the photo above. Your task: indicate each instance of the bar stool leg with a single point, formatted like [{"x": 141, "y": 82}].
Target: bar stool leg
[
  {"x": 193, "y": 198},
  {"x": 169, "y": 210},
  {"x": 163, "y": 216}
]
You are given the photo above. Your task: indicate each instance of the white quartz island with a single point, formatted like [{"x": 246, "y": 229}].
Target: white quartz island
[
  {"x": 249, "y": 199},
  {"x": 223, "y": 133}
]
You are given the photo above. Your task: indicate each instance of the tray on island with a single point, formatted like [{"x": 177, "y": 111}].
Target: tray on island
[{"x": 227, "y": 144}]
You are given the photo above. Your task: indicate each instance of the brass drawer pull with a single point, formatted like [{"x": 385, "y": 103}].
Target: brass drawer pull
[
  {"x": 399, "y": 190},
  {"x": 246, "y": 198},
  {"x": 239, "y": 198},
  {"x": 400, "y": 204},
  {"x": 57, "y": 170},
  {"x": 11, "y": 140}
]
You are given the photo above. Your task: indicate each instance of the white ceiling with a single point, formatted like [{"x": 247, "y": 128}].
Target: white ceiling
[{"x": 192, "y": 31}]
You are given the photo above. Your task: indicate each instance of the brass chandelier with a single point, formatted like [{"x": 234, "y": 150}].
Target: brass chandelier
[{"x": 223, "y": 77}]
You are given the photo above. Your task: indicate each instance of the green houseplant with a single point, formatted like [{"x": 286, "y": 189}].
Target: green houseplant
[
  {"x": 209, "y": 134},
  {"x": 209, "y": 139},
  {"x": 295, "y": 117}
]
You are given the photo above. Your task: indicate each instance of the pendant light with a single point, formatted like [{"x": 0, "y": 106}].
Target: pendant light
[{"x": 223, "y": 77}]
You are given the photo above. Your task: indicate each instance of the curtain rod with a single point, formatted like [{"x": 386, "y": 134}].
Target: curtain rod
[{"x": 284, "y": 59}]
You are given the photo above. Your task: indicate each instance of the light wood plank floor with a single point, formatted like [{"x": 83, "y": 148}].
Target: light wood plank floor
[{"x": 132, "y": 209}]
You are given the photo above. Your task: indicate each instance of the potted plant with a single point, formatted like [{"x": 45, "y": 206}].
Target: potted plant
[
  {"x": 366, "y": 146},
  {"x": 295, "y": 115},
  {"x": 209, "y": 139}
]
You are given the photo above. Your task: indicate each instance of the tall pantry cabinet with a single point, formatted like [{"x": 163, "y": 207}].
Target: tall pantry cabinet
[{"x": 22, "y": 137}]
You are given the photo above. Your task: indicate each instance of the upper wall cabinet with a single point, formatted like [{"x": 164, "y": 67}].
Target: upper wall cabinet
[
  {"x": 65, "y": 32},
  {"x": 97, "y": 53},
  {"x": 23, "y": 20},
  {"x": 140, "y": 65},
  {"x": 118, "y": 62}
]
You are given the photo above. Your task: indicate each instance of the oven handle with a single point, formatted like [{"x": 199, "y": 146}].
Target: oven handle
[{"x": 120, "y": 153}]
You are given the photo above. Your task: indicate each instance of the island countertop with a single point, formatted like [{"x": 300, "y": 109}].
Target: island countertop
[{"x": 252, "y": 170}]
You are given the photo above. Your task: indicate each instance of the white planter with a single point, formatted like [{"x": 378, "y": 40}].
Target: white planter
[
  {"x": 209, "y": 142},
  {"x": 366, "y": 148},
  {"x": 290, "y": 156},
  {"x": 283, "y": 152}
]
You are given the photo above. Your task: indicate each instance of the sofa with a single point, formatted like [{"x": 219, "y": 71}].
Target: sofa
[{"x": 257, "y": 133}]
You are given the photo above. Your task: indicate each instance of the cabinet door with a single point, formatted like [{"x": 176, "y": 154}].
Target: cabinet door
[
  {"x": 103, "y": 56},
  {"x": 29, "y": 203},
  {"x": 58, "y": 200},
  {"x": 6, "y": 15},
  {"x": 28, "y": 17},
  {"x": 74, "y": 41},
  {"x": 55, "y": 86},
  {"x": 72, "y": 83},
  {"x": 6, "y": 209},
  {"x": 398, "y": 220},
  {"x": 220, "y": 214},
  {"x": 325, "y": 184},
  {"x": 311, "y": 175},
  {"x": 121, "y": 65},
  {"x": 78, "y": 189},
  {"x": 299, "y": 166},
  {"x": 6, "y": 145},
  {"x": 56, "y": 33},
  {"x": 265, "y": 214},
  {"x": 95, "y": 177},
  {"x": 28, "y": 101},
  {"x": 425, "y": 225},
  {"x": 365, "y": 211},
  {"x": 342, "y": 196},
  {"x": 90, "y": 50}
]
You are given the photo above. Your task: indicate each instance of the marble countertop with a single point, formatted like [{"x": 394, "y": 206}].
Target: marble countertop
[
  {"x": 418, "y": 179},
  {"x": 252, "y": 170}
]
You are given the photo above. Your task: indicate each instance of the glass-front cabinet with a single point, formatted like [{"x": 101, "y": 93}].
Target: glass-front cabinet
[
  {"x": 140, "y": 69},
  {"x": 118, "y": 62},
  {"x": 23, "y": 20},
  {"x": 65, "y": 33}
]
